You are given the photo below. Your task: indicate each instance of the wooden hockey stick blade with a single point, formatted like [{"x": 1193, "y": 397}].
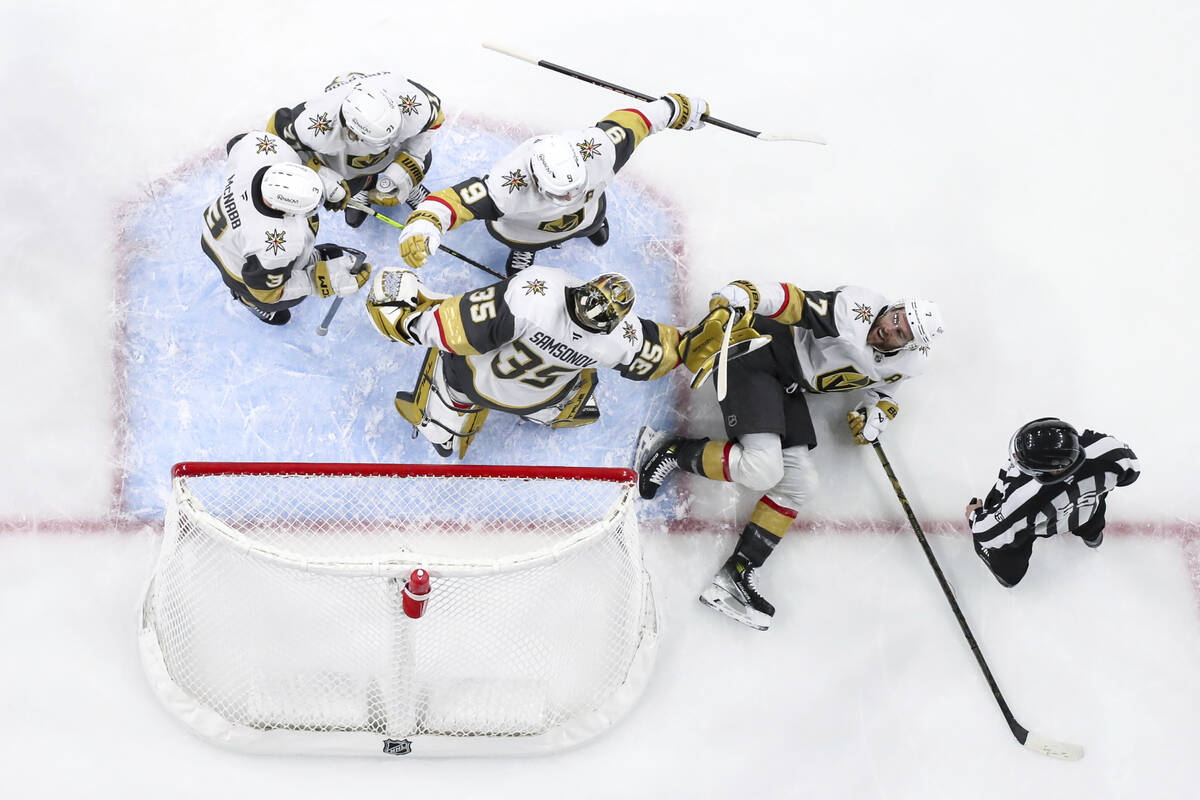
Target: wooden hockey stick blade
[
  {"x": 1053, "y": 748},
  {"x": 736, "y": 350}
]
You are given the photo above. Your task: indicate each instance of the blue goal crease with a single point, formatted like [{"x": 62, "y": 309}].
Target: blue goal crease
[{"x": 205, "y": 380}]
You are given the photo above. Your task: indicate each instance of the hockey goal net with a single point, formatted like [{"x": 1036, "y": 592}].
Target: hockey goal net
[{"x": 275, "y": 620}]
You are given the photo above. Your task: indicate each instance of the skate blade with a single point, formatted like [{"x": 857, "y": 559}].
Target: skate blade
[{"x": 736, "y": 612}]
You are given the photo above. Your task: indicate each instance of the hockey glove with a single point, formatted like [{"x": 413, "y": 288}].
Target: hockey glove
[
  {"x": 688, "y": 111},
  {"x": 338, "y": 272},
  {"x": 741, "y": 295},
  {"x": 395, "y": 300},
  {"x": 392, "y": 186},
  {"x": 867, "y": 423},
  {"x": 421, "y": 236},
  {"x": 700, "y": 345},
  {"x": 337, "y": 191}
]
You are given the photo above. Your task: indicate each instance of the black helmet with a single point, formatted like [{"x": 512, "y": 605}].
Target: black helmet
[
  {"x": 601, "y": 303},
  {"x": 1045, "y": 447}
]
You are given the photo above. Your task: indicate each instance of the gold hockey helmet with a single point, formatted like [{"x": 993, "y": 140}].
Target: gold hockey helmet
[{"x": 600, "y": 304}]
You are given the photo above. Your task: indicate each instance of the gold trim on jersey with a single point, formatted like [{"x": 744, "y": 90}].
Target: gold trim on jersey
[
  {"x": 451, "y": 329},
  {"x": 668, "y": 338},
  {"x": 792, "y": 310},
  {"x": 458, "y": 209},
  {"x": 631, "y": 120}
]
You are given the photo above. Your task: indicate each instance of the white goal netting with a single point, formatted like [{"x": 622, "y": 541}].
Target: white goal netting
[{"x": 274, "y": 619}]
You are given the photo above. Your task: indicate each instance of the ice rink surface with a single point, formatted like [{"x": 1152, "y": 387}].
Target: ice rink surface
[{"x": 1031, "y": 166}]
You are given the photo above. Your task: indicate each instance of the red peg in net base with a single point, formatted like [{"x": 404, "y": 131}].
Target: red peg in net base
[{"x": 416, "y": 593}]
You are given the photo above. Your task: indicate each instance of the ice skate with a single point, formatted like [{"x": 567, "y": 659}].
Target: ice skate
[{"x": 733, "y": 594}]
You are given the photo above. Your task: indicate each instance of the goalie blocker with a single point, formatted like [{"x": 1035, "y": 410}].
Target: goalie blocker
[{"x": 530, "y": 345}]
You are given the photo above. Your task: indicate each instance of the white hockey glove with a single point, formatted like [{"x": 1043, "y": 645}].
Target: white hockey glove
[
  {"x": 688, "y": 111},
  {"x": 331, "y": 274},
  {"x": 395, "y": 299},
  {"x": 337, "y": 191},
  {"x": 392, "y": 186},
  {"x": 421, "y": 236},
  {"x": 867, "y": 423},
  {"x": 741, "y": 295}
]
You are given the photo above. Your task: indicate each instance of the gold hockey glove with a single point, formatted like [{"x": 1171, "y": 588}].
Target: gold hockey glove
[
  {"x": 867, "y": 423},
  {"x": 688, "y": 111},
  {"x": 702, "y": 342},
  {"x": 421, "y": 236}
]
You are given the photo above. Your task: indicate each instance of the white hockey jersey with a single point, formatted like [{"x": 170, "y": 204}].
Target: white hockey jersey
[
  {"x": 517, "y": 213},
  {"x": 830, "y": 331},
  {"x": 255, "y": 245},
  {"x": 513, "y": 346},
  {"x": 315, "y": 127}
]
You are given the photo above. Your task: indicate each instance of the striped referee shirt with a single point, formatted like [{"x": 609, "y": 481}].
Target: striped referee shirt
[{"x": 1020, "y": 506}]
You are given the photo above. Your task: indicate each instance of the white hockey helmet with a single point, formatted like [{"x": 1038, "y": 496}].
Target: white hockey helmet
[
  {"x": 558, "y": 171},
  {"x": 370, "y": 116},
  {"x": 291, "y": 188},
  {"x": 924, "y": 319}
]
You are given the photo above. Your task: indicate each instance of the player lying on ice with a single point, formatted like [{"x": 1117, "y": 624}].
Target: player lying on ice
[
  {"x": 846, "y": 340},
  {"x": 528, "y": 345}
]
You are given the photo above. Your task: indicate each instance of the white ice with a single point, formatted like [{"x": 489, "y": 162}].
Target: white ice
[{"x": 1031, "y": 166}]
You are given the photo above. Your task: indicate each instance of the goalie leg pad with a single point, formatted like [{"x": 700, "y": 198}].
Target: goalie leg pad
[
  {"x": 580, "y": 408},
  {"x": 433, "y": 412}
]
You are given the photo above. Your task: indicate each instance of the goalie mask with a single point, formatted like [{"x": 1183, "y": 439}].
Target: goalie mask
[
  {"x": 558, "y": 171},
  {"x": 600, "y": 304},
  {"x": 290, "y": 188}
]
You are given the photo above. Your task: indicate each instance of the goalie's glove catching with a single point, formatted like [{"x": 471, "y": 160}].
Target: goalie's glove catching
[
  {"x": 339, "y": 271},
  {"x": 867, "y": 423},
  {"x": 421, "y": 236},
  {"x": 396, "y": 298}
]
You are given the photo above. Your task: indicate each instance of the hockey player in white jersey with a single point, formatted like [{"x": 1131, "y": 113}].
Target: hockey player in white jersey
[
  {"x": 847, "y": 340},
  {"x": 550, "y": 189},
  {"x": 528, "y": 345},
  {"x": 260, "y": 232},
  {"x": 368, "y": 136},
  {"x": 1056, "y": 481}
]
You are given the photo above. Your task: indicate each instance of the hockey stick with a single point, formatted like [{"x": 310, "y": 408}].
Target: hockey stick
[
  {"x": 367, "y": 209},
  {"x": 723, "y": 360},
  {"x": 323, "y": 328},
  {"x": 729, "y": 126},
  {"x": 1034, "y": 741}
]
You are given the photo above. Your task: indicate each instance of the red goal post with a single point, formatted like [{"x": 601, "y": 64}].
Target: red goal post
[{"x": 275, "y": 622}]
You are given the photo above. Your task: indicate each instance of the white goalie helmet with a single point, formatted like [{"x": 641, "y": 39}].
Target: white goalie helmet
[
  {"x": 558, "y": 171},
  {"x": 291, "y": 188},
  {"x": 924, "y": 319},
  {"x": 370, "y": 116}
]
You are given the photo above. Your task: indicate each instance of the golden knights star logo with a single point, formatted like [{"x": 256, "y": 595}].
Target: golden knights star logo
[
  {"x": 515, "y": 180},
  {"x": 537, "y": 286},
  {"x": 588, "y": 149},
  {"x": 408, "y": 104},
  {"x": 320, "y": 124},
  {"x": 275, "y": 240},
  {"x": 266, "y": 145},
  {"x": 862, "y": 312},
  {"x": 628, "y": 332}
]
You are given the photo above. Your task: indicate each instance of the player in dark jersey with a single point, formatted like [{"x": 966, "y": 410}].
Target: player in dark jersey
[{"x": 1056, "y": 481}]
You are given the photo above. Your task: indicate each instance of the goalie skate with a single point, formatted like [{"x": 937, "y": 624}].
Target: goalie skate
[{"x": 733, "y": 594}]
